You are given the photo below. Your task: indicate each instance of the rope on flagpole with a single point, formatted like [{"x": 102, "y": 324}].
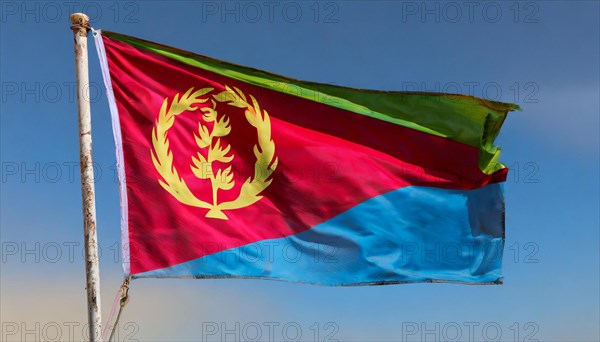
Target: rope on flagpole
[{"x": 121, "y": 299}]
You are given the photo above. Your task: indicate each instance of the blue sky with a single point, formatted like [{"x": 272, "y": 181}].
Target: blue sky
[{"x": 542, "y": 55}]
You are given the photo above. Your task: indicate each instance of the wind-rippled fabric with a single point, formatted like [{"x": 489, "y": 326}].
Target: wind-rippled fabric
[{"x": 359, "y": 187}]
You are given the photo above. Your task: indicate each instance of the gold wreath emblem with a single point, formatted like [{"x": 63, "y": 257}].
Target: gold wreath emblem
[{"x": 210, "y": 139}]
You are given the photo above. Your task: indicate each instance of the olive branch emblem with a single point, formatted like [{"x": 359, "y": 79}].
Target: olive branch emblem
[{"x": 210, "y": 139}]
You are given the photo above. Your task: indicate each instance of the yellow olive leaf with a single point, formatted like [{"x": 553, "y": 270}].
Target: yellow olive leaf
[
  {"x": 224, "y": 179},
  {"x": 216, "y": 153},
  {"x": 225, "y": 96},
  {"x": 210, "y": 114},
  {"x": 187, "y": 101},
  {"x": 201, "y": 168},
  {"x": 239, "y": 93},
  {"x": 222, "y": 127},
  {"x": 203, "y": 138}
]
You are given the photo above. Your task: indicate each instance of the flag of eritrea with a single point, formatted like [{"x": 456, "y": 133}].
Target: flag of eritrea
[{"x": 227, "y": 171}]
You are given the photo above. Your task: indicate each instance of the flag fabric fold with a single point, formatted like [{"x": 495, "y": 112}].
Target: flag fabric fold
[{"x": 227, "y": 171}]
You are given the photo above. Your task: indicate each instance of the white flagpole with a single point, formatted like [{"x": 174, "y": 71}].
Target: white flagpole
[{"x": 80, "y": 27}]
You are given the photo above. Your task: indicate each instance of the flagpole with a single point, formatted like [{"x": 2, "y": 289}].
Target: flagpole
[{"x": 80, "y": 27}]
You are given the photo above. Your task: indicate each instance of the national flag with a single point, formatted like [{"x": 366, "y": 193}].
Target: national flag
[{"x": 227, "y": 171}]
